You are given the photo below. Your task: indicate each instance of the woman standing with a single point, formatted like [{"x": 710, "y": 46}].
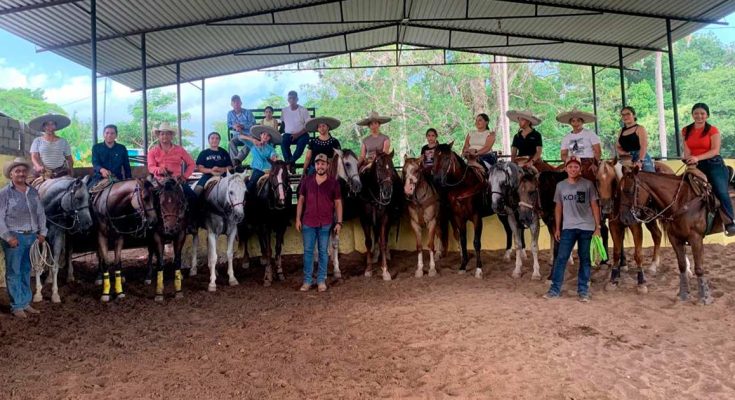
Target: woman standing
[
  {"x": 479, "y": 143},
  {"x": 633, "y": 140},
  {"x": 51, "y": 154},
  {"x": 325, "y": 143},
  {"x": 702, "y": 148},
  {"x": 376, "y": 142}
]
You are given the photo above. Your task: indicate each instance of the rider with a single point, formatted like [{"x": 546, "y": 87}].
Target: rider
[
  {"x": 325, "y": 143},
  {"x": 376, "y": 142},
  {"x": 109, "y": 158},
  {"x": 167, "y": 159},
  {"x": 702, "y": 143},
  {"x": 479, "y": 143},
  {"x": 260, "y": 142},
  {"x": 527, "y": 143},
  {"x": 427, "y": 151},
  {"x": 633, "y": 140},
  {"x": 51, "y": 154},
  {"x": 239, "y": 122},
  {"x": 581, "y": 142},
  {"x": 212, "y": 161}
]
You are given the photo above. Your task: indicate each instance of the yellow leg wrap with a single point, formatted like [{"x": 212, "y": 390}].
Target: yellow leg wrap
[
  {"x": 177, "y": 281},
  {"x": 106, "y": 283},
  {"x": 159, "y": 282},
  {"x": 118, "y": 282}
]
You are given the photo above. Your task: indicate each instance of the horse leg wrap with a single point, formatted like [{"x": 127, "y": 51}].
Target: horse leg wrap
[
  {"x": 118, "y": 283},
  {"x": 704, "y": 293},
  {"x": 159, "y": 283},
  {"x": 615, "y": 275},
  {"x": 683, "y": 286},
  {"x": 106, "y": 283},
  {"x": 641, "y": 277},
  {"x": 177, "y": 281}
]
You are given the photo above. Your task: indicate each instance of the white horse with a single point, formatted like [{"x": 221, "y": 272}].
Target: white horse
[
  {"x": 224, "y": 211},
  {"x": 344, "y": 167}
]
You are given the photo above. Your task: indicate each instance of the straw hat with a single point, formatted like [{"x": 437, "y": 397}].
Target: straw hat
[
  {"x": 313, "y": 124},
  {"x": 586, "y": 117},
  {"x": 61, "y": 122},
  {"x": 164, "y": 127},
  {"x": 256, "y": 130},
  {"x": 373, "y": 116},
  {"x": 513, "y": 115},
  {"x": 9, "y": 165}
]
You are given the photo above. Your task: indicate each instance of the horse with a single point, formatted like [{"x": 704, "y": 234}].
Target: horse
[
  {"x": 66, "y": 204},
  {"x": 464, "y": 189},
  {"x": 125, "y": 208},
  {"x": 224, "y": 211},
  {"x": 682, "y": 203},
  {"x": 381, "y": 205},
  {"x": 269, "y": 210},
  {"x": 345, "y": 168},
  {"x": 423, "y": 207}
]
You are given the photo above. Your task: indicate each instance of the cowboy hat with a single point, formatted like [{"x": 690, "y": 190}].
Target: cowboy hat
[
  {"x": 514, "y": 115},
  {"x": 586, "y": 117},
  {"x": 9, "y": 165},
  {"x": 373, "y": 116},
  {"x": 313, "y": 124},
  {"x": 164, "y": 127},
  {"x": 256, "y": 130},
  {"x": 61, "y": 122}
]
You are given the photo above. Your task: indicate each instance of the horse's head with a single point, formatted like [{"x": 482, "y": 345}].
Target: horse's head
[
  {"x": 278, "y": 185},
  {"x": 172, "y": 206},
  {"x": 348, "y": 169},
  {"x": 383, "y": 172},
  {"x": 632, "y": 200},
  {"x": 143, "y": 202},
  {"x": 412, "y": 170},
  {"x": 78, "y": 206},
  {"x": 528, "y": 195},
  {"x": 503, "y": 180},
  {"x": 235, "y": 196},
  {"x": 446, "y": 164},
  {"x": 606, "y": 182}
]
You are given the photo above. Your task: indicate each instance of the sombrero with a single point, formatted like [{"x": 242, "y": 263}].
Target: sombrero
[
  {"x": 61, "y": 122},
  {"x": 312, "y": 124},
  {"x": 586, "y": 117},
  {"x": 9, "y": 165},
  {"x": 513, "y": 115},
  {"x": 164, "y": 127},
  {"x": 373, "y": 116},
  {"x": 256, "y": 130}
]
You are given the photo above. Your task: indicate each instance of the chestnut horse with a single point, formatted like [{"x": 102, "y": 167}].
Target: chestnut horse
[{"x": 423, "y": 207}]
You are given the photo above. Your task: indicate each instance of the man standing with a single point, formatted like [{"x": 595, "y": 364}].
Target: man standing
[
  {"x": 319, "y": 198},
  {"x": 576, "y": 202},
  {"x": 294, "y": 118},
  {"x": 109, "y": 158},
  {"x": 22, "y": 221},
  {"x": 165, "y": 160},
  {"x": 239, "y": 122}
]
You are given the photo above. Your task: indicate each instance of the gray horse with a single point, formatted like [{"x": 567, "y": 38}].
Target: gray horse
[
  {"x": 225, "y": 210},
  {"x": 66, "y": 203}
]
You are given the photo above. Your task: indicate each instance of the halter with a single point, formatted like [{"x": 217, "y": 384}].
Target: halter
[
  {"x": 452, "y": 163},
  {"x": 140, "y": 211},
  {"x": 70, "y": 212}
]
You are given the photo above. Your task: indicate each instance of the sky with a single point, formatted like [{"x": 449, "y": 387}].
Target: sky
[{"x": 69, "y": 85}]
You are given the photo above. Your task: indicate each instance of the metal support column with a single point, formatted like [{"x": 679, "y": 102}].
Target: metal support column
[
  {"x": 93, "y": 24},
  {"x": 674, "y": 101},
  {"x": 178, "y": 102},
  {"x": 622, "y": 75},
  {"x": 204, "y": 135},
  {"x": 594, "y": 100},
  {"x": 145, "y": 92}
]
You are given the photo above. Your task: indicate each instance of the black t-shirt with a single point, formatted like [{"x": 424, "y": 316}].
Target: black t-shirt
[
  {"x": 527, "y": 146},
  {"x": 318, "y": 146},
  {"x": 214, "y": 158},
  {"x": 428, "y": 154}
]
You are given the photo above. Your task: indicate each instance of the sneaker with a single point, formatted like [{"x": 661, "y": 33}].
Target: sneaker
[
  {"x": 550, "y": 296},
  {"x": 730, "y": 229},
  {"x": 585, "y": 298},
  {"x": 322, "y": 287},
  {"x": 20, "y": 314},
  {"x": 31, "y": 310},
  {"x": 305, "y": 287}
]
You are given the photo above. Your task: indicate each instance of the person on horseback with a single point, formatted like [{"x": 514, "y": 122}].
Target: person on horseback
[
  {"x": 527, "y": 144},
  {"x": 51, "y": 154},
  {"x": 239, "y": 122},
  {"x": 325, "y": 143},
  {"x": 427, "y": 151},
  {"x": 260, "y": 143},
  {"x": 166, "y": 160},
  {"x": 376, "y": 142},
  {"x": 109, "y": 159},
  {"x": 581, "y": 142},
  {"x": 702, "y": 143},
  {"x": 479, "y": 143},
  {"x": 214, "y": 161},
  {"x": 633, "y": 141}
]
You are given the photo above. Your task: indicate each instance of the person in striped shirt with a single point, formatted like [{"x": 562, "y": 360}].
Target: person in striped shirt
[{"x": 51, "y": 154}]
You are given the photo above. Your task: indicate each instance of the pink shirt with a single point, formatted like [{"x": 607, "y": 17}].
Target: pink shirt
[{"x": 159, "y": 161}]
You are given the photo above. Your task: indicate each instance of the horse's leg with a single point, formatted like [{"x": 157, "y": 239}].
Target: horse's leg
[
  {"x": 431, "y": 227},
  {"x": 554, "y": 249},
  {"x": 463, "y": 246},
  {"x": 617, "y": 234},
  {"x": 265, "y": 249},
  {"x": 656, "y": 236},
  {"x": 368, "y": 245},
  {"x": 212, "y": 260},
  {"x": 680, "y": 250},
  {"x": 508, "y": 236},
  {"x": 516, "y": 231},
  {"x": 37, "y": 296},
  {"x": 243, "y": 235},
  {"x": 535, "y": 230},
  {"x": 157, "y": 244},
  {"x": 194, "y": 253},
  {"x": 416, "y": 226},
  {"x": 705, "y": 297},
  {"x": 178, "y": 277},
  {"x": 69, "y": 263},
  {"x": 119, "y": 293},
  {"x": 230, "y": 255},
  {"x": 58, "y": 246},
  {"x": 384, "y": 224},
  {"x": 280, "y": 232},
  {"x": 477, "y": 242},
  {"x": 637, "y": 231},
  {"x": 376, "y": 239},
  {"x": 334, "y": 240},
  {"x": 149, "y": 263},
  {"x": 104, "y": 263}
]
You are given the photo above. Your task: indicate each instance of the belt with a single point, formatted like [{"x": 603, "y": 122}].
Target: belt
[{"x": 25, "y": 232}]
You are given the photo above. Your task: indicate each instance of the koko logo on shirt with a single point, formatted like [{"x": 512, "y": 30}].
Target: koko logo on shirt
[{"x": 579, "y": 197}]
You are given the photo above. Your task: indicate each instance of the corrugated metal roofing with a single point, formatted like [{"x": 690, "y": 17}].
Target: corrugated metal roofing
[{"x": 219, "y": 37}]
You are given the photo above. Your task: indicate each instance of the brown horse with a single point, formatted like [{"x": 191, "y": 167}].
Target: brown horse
[
  {"x": 423, "y": 207},
  {"x": 465, "y": 191},
  {"x": 122, "y": 209},
  {"x": 646, "y": 196}
]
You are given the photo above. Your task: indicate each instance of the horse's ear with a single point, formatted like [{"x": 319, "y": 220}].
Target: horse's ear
[
  {"x": 451, "y": 144},
  {"x": 85, "y": 179},
  {"x": 405, "y": 157},
  {"x": 391, "y": 153}
]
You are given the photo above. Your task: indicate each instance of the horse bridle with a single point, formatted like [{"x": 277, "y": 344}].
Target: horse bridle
[
  {"x": 349, "y": 179},
  {"x": 181, "y": 210},
  {"x": 637, "y": 210},
  {"x": 72, "y": 213},
  {"x": 452, "y": 163},
  {"x": 505, "y": 190},
  {"x": 140, "y": 211},
  {"x": 272, "y": 204}
]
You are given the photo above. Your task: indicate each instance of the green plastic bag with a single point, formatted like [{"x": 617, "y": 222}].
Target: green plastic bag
[{"x": 597, "y": 250}]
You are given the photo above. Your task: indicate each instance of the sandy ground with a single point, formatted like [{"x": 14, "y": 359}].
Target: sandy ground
[{"x": 448, "y": 336}]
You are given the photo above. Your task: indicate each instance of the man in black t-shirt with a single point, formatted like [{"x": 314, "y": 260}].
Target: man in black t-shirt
[
  {"x": 527, "y": 142},
  {"x": 212, "y": 161}
]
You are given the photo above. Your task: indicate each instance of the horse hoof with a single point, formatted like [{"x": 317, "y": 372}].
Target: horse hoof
[
  {"x": 683, "y": 297},
  {"x": 506, "y": 256},
  {"x": 37, "y": 298},
  {"x": 120, "y": 296},
  {"x": 55, "y": 298},
  {"x": 98, "y": 282},
  {"x": 536, "y": 277},
  {"x": 642, "y": 289},
  {"x": 267, "y": 283},
  {"x": 706, "y": 300},
  {"x": 147, "y": 281},
  {"x": 478, "y": 273},
  {"x": 192, "y": 272},
  {"x": 624, "y": 268},
  {"x": 523, "y": 254},
  {"x": 179, "y": 295},
  {"x": 462, "y": 271},
  {"x": 386, "y": 276},
  {"x": 516, "y": 275},
  {"x": 281, "y": 277},
  {"x": 419, "y": 273},
  {"x": 234, "y": 282},
  {"x": 212, "y": 287},
  {"x": 611, "y": 287},
  {"x": 159, "y": 298},
  {"x": 246, "y": 265},
  {"x": 368, "y": 274},
  {"x": 337, "y": 275},
  {"x": 432, "y": 273},
  {"x": 105, "y": 298},
  {"x": 70, "y": 279}
]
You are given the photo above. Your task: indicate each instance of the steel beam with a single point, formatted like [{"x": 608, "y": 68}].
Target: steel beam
[
  {"x": 144, "y": 76},
  {"x": 178, "y": 102},
  {"x": 594, "y": 100},
  {"x": 674, "y": 99},
  {"x": 204, "y": 125},
  {"x": 93, "y": 34},
  {"x": 19, "y": 9},
  {"x": 622, "y": 75}
]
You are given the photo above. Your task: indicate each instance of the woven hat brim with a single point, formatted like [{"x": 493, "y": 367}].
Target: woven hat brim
[
  {"x": 256, "y": 130},
  {"x": 586, "y": 118},
  {"x": 514, "y": 115},
  {"x": 61, "y": 121},
  {"x": 313, "y": 124},
  {"x": 367, "y": 121}
]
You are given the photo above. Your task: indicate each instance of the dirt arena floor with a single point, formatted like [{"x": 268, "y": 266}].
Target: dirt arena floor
[{"x": 452, "y": 336}]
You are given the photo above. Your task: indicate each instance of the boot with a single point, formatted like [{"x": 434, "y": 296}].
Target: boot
[
  {"x": 730, "y": 229},
  {"x": 198, "y": 190}
]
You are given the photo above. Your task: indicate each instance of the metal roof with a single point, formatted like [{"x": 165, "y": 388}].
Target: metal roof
[{"x": 219, "y": 37}]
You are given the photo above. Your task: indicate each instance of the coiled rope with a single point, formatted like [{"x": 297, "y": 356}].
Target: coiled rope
[{"x": 41, "y": 257}]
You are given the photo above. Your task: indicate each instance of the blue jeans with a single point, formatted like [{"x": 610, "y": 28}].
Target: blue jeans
[
  {"x": 648, "y": 165},
  {"x": 311, "y": 235},
  {"x": 252, "y": 184},
  {"x": 301, "y": 143},
  {"x": 566, "y": 243},
  {"x": 238, "y": 153},
  {"x": 490, "y": 158},
  {"x": 717, "y": 174},
  {"x": 18, "y": 270}
]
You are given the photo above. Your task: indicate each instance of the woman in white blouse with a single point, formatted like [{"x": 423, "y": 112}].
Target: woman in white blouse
[{"x": 479, "y": 143}]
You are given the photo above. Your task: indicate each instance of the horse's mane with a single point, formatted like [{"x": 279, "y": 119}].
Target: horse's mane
[
  {"x": 348, "y": 152},
  {"x": 446, "y": 148}
]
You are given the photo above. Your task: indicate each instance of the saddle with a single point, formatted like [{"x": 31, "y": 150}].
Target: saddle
[
  {"x": 702, "y": 188},
  {"x": 101, "y": 185},
  {"x": 478, "y": 168},
  {"x": 48, "y": 174}
]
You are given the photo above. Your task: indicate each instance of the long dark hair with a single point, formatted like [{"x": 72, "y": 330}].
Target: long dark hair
[{"x": 707, "y": 126}]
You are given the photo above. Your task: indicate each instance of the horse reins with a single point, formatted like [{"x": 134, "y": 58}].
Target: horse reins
[
  {"x": 73, "y": 211},
  {"x": 140, "y": 211},
  {"x": 635, "y": 210}
]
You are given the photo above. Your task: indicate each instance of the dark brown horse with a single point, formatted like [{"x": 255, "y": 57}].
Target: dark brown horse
[
  {"x": 122, "y": 209},
  {"x": 646, "y": 196},
  {"x": 465, "y": 191}
]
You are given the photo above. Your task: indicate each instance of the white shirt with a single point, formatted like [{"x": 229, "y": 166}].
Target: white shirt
[
  {"x": 478, "y": 139},
  {"x": 53, "y": 154},
  {"x": 294, "y": 120},
  {"x": 580, "y": 144}
]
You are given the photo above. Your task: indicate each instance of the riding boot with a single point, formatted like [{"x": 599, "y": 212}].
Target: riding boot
[{"x": 198, "y": 190}]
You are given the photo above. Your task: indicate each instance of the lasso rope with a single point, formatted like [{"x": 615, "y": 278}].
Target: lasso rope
[{"x": 41, "y": 257}]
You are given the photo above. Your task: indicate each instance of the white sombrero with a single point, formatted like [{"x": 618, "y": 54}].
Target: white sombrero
[
  {"x": 313, "y": 124},
  {"x": 9, "y": 165},
  {"x": 373, "y": 116},
  {"x": 513, "y": 115},
  {"x": 164, "y": 127},
  {"x": 256, "y": 130},
  {"x": 586, "y": 117},
  {"x": 61, "y": 122}
]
